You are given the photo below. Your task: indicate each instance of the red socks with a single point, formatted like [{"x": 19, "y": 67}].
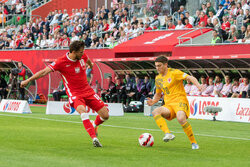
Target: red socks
[
  {"x": 98, "y": 120},
  {"x": 88, "y": 125},
  {"x": 89, "y": 128}
]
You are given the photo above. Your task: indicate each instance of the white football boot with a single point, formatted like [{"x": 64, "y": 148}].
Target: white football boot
[
  {"x": 168, "y": 137},
  {"x": 96, "y": 143},
  {"x": 195, "y": 146}
]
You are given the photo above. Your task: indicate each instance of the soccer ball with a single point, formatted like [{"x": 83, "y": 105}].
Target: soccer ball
[{"x": 146, "y": 140}]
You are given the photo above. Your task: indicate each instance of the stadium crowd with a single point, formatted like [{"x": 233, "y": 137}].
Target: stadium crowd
[{"x": 107, "y": 28}]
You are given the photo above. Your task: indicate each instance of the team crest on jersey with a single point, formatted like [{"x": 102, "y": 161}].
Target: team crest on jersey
[
  {"x": 169, "y": 80},
  {"x": 77, "y": 69}
]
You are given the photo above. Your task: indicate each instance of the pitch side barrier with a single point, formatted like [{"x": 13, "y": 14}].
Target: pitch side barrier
[
  {"x": 233, "y": 109},
  {"x": 63, "y": 108}
]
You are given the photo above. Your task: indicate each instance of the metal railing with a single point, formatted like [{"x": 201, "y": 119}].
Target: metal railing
[
  {"x": 181, "y": 38},
  {"x": 145, "y": 9}
]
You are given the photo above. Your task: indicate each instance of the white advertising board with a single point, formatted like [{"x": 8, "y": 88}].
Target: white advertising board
[
  {"x": 14, "y": 106},
  {"x": 233, "y": 109},
  {"x": 63, "y": 108}
]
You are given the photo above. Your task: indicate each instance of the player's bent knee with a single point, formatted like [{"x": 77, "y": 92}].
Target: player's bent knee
[
  {"x": 181, "y": 117},
  {"x": 105, "y": 116},
  {"x": 104, "y": 113},
  {"x": 156, "y": 112},
  {"x": 81, "y": 109}
]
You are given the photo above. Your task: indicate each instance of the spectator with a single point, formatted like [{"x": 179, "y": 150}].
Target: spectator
[
  {"x": 194, "y": 91},
  {"x": 179, "y": 25},
  {"x": 209, "y": 23},
  {"x": 89, "y": 73},
  {"x": 147, "y": 27},
  {"x": 65, "y": 15},
  {"x": 203, "y": 18},
  {"x": 65, "y": 41},
  {"x": 155, "y": 24},
  {"x": 210, "y": 9},
  {"x": 225, "y": 24},
  {"x": 123, "y": 37},
  {"x": 197, "y": 18},
  {"x": 60, "y": 91},
  {"x": 129, "y": 85},
  {"x": 145, "y": 89},
  {"x": 209, "y": 90},
  {"x": 233, "y": 35},
  {"x": 187, "y": 87},
  {"x": 107, "y": 94},
  {"x": 235, "y": 87},
  {"x": 243, "y": 88},
  {"x": 220, "y": 12},
  {"x": 171, "y": 26},
  {"x": 242, "y": 32},
  {"x": 50, "y": 41},
  {"x": 218, "y": 85},
  {"x": 216, "y": 38},
  {"x": 182, "y": 10},
  {"x": 246, "y": 39},
  {"x": 226, "y": 90},
  {"x": 245, "y": 6},
  {"x": 190, "y": 18},
  {"x": 74, "y": 37},
  {"x": 239, "y": 19},
  {"x": 120, "y": 90},
  {"x": 203, "y": 84},
  {"x": 101, "y": 43},
  {"x": 43, "y": 43},
  {"x": 212, "y": 16}
]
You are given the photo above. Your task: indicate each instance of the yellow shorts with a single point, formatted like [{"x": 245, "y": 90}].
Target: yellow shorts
[{"x": 175, "y": 106}]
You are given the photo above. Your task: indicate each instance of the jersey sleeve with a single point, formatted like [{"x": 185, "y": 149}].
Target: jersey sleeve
[
  {"x": 179, "y": 75},
  {"x": 55, "y": 66},
  {"x": 157, "y": 87},
  {"x": 85, "y": 57}
]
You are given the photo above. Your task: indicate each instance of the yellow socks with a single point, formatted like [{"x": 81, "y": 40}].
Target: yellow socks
[
  {"x": 161, "y": 122},
  {"x": 189, "y": 132}
]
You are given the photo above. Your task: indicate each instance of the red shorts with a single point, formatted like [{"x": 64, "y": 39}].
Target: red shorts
[{"x": 92, "y": 101}]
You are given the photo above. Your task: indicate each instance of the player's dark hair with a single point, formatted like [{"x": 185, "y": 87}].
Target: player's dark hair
[
  {"x": 162, "y": 59},
  {"x": 76, "y": 46}
]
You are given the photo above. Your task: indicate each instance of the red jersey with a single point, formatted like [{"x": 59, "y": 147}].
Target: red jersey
[
  {"x": 188, "y": 26},
  {"x": 74, "y": 77}
]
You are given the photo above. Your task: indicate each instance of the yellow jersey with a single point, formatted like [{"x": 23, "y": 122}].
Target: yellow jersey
[{"x": 171, "y": 85}]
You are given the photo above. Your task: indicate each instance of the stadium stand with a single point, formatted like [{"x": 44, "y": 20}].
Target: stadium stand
[{"x": 107, "y": 28}]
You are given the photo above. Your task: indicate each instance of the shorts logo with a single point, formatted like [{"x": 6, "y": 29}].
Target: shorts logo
[
  {"x": 169, "y": 80},
  {"x": 193, "y": 107},
  {"x": 77, "y": 69},
  {"x": 68, "y": 109}
]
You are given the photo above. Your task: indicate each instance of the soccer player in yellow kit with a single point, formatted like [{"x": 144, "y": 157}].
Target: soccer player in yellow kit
[{"x": 170, "y": 82}]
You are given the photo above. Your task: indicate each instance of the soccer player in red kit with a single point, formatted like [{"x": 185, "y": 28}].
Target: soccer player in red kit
[{"x": 72, "y": 67}]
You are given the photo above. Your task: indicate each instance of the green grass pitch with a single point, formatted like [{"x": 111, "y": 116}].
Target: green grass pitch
[{"x": 39, "y": 140}]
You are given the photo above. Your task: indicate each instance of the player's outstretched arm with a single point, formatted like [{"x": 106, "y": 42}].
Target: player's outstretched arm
[
  {"x": 89, "y": 62},
  {"x": 195, "y": 82},
  {"x": 37, "y": 75},
  {"x": 155, "y": 99}
]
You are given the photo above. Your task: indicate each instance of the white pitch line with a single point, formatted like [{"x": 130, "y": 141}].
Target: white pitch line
[{"x": 124, "y": 127}]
